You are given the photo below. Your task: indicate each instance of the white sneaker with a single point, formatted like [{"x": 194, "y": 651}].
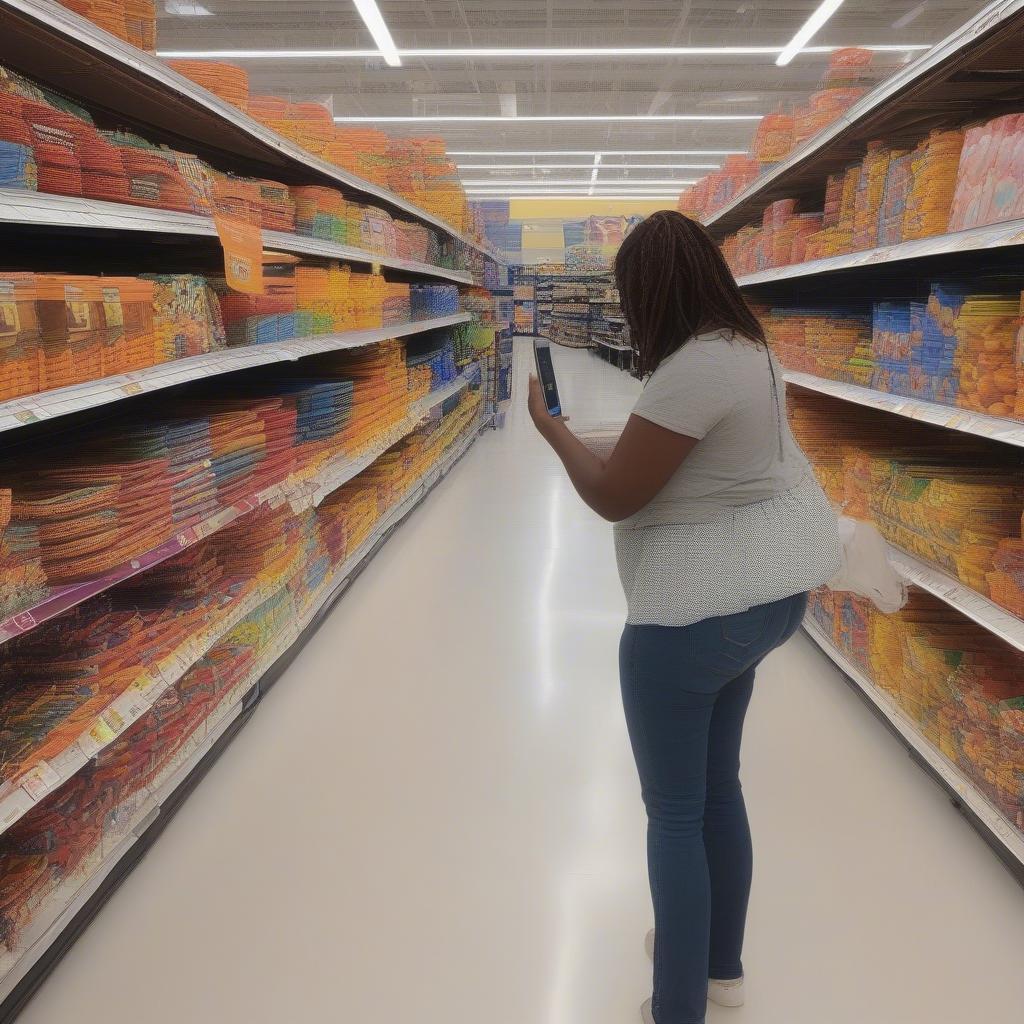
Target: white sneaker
[
  {"x": 646, "y": 1013},
  {"x": 724, "y": 993}
]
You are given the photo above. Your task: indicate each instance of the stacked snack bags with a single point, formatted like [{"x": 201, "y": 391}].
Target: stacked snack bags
[
  {"x": 848, "y": 77},
  {"x": 956, "y": 348},
  {"x": 934, "y": 164},
  {"x": 69, "y": 329},
  {"x": 119, "y": 491},
  {"x": 57, "y": 679},
  {"x": 228, "y": 81},
  {"x": 952, "y": 180},
  {"x": 134, "y": 21},
  {"x": 833, "y": 342},
  {"x": 986, "y": 329},
  {"x": 50, "y": 145},
  {"x": 951, "y": 501},
  {"x": 719, "y": 188},
  {"x": 958, "y": 684},
  {"x": 990, "y": 179}
]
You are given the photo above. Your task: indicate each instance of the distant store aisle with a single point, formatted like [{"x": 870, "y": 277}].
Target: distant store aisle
[{"x": 434, "y": 816}]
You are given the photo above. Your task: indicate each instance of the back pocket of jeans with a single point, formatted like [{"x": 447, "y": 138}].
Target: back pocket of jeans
[{"x": 747, "y": 629}]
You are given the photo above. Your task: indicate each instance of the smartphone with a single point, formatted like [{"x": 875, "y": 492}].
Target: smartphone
[{"x": 546, "y": 373}]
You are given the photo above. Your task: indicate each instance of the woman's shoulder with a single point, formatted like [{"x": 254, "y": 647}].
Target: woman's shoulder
[{"x": 711, "y": 352}]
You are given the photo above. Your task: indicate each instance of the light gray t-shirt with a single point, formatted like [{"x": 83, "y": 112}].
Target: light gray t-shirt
[
  {"x": 719, "y": 389},
  {"x": 743, "y": 521}
]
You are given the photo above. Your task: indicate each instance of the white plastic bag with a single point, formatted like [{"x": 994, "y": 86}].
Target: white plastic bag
[{"x": 865, "y": 568}]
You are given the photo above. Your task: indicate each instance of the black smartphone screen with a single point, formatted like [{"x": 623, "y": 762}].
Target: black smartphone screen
[{"x": 546, "y": 370}]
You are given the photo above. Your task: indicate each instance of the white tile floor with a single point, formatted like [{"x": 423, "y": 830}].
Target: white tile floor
[{"x": 434, "y": 818}]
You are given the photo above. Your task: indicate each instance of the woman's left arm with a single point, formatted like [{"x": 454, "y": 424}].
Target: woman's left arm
[{"x": 644, "y": 460}]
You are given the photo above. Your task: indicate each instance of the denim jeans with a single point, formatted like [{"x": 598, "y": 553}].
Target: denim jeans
[{"x": 685, "y": 690}]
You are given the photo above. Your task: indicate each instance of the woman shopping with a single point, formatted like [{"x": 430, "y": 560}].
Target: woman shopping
[{"x": 720, "y": 532}]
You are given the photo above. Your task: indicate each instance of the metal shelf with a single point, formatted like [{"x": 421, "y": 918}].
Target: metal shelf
[
  {"x": 64, "y": 904},
  {"x": 999, "y": 830},
  {"x": 971, "y": 241},
  {"x": 300, "y": 491},
  {"x": 42, "y": 209},
  {"x": 980, "y": 424},
  {"x": 905, "y": 106},
  {"x": 982, "y": 610},
  {"x": 87, "y": 62},
  {"x": 48, "y": 405}
]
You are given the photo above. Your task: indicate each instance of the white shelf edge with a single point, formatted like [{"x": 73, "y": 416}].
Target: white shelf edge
[
  {"x": 994, "y": 820},
  {"x": 45, "y": 209},
  {"x": 982, "y": 610},
  {"x": 48, "y": 405},
  {"x": 229, "y": 709},
  {"x": 993, "y": 428},
  {"x": 615, "y": 348},
  {"x": 126, "y": 708},
  {"x": 971, "y": 240},
  {"x": 83, "y": 32},
  {"x": 886, "y": 91}
]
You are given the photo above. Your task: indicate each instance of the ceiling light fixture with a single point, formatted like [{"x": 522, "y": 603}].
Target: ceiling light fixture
[
  {"x": 497, "y": 53},
  {"x": 643, "y": 197},
  {"x": 577, "y": 188},
  {"x": 479, "y": 182},
  {"x": 912, "y": 15},
  {"x": 187, "y": 9},
  {"x": 590, "y": 152},
  {"x": 374, "y": 20},
  {"x": 498, "y": 118},
  {"x": 809, "y": 28},
  {"x": 579, "y": 167}
]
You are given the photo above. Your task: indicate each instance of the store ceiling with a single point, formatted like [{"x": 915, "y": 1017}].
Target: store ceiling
[{"x": 707, "y": 85}]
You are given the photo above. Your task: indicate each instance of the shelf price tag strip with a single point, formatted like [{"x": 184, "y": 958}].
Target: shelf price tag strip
[
  {"x": 992, "y": 427},
  {"x": 19, "y": 412}
]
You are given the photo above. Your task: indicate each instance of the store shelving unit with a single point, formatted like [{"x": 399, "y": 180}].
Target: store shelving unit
[
  {"x": 67, "y": 911},
  {"x": 75, "y": 56},
  {"x": 993, "y": 428},
  {"x": 996, "y": 619},
  {"x": 973, "y": 73},
  {"x": 93, "y": 216},
  {"x": 972, "y": 242},
  {"x": 49, "y": 405},
  {"x": 79, "y": 397},
  {"x": 136, "y": 90},
  {"x": 958, "y": 76},
  {"x": 329, "y": 477},
  {"x": 990, "y": 822}
]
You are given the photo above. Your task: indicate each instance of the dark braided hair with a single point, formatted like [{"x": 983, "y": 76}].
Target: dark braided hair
[{"x": 673, "y": 285}]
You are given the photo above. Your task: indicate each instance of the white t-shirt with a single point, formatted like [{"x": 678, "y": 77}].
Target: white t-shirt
[{"x": 742, "y": 521}]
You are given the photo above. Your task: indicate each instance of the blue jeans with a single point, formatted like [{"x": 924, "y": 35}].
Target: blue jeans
[{"x": 685, "y": 690}]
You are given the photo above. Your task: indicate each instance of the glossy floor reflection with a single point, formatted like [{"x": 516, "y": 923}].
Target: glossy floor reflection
[{"x": 434, "y": 818}]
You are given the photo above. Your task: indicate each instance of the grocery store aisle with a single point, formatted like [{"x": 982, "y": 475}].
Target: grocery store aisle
[{"x": 434, "y": 818}]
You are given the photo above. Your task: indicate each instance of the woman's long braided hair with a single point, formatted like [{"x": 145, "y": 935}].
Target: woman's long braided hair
[{"x": 673, "y": 285}]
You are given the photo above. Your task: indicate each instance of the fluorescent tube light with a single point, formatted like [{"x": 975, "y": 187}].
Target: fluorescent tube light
[
  {"x": 374, "y": 20},
  {"x": 498, "y": 53},
  {"x": 498, "y": 118},
  {"x": 810, "y": 27},
  {"x": 480, "y": 182},
  {"x": 581, "y": 167},
  {"x": 577, "y": 189},
  {"x": 634, "y": 197},
  {"x": 912, "y": 15},
  {"x": 187, "y": 9},
  {"x": 590, "y": 152}
]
